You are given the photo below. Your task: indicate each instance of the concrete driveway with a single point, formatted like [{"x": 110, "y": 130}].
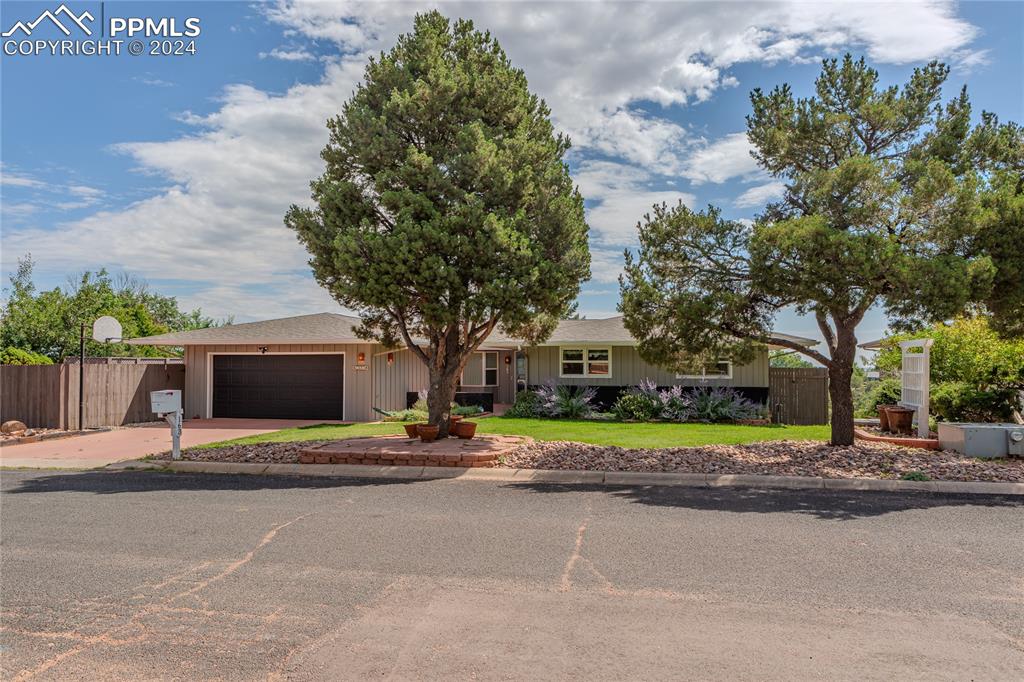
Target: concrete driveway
[
  {"x": 150, "y": 575},
  {"x": 100, "y": 449}
]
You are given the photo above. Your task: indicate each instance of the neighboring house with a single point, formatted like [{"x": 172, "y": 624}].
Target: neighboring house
[{"x": 314, "y": 367}]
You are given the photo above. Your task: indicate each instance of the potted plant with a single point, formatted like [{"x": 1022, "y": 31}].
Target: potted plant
[
  {"x": 464, "y": 429},
  {"x": 883, "y": 416},
  {"x": 412, "y": 430},
  {"x": 900, "y": 419},
  {"x": 427, "y": 432}
]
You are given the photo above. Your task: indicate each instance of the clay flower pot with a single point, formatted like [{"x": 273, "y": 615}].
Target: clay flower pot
[
  {"x": 900, "y": 419},
  {"x": 427, "y": 432},
  {"x": 883, "y": 417},
  {"x": 464, "y": 430},
  {"x": 412, "y": 430}
]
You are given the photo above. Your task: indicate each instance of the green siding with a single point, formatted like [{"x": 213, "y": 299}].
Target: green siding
[{"x": 628, "y": 368}]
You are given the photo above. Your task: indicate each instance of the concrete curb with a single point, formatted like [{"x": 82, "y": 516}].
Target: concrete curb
[{"x": 573, "y": 477}]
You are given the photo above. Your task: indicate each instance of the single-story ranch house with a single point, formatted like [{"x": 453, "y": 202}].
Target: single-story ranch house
[{"x": 314, "y": 367}]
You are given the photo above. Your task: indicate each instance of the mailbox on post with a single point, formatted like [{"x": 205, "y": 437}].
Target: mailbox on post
[{"x": 167, "y": 404}]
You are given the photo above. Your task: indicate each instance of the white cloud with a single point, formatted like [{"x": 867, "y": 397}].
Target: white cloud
[
  {"x": 14, "y": 180},
  {"x": 296, "y": 55},
  {"x": 598, "y": 65},
  {"x": 718, "y": 161},
  {"x": 622, "y": 199},
  {"x": 19, "y": 209},
  {"x": 605, "y": 265},
  {"x": 155, "y": 82},
  {"x": 85, "y": 191},
  {"x": 759, "y": 195}
]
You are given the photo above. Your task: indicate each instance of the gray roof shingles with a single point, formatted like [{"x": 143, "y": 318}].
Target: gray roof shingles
[{"x": 338, "y": 328}]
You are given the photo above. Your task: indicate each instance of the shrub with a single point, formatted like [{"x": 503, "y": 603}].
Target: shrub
[
  {"x": 884, "y": 392},
  {"x": 958, "y": 401},
  {"x": 19, "y": 356},
  {"x": 676, "y": 404},
  {"x": 407, "y": 416},
  {"x": 421, "y": 401},
  {"x": 720, "y": 403},
  {"x": 569, "y": 402},
  {"x": 525, "y": 405},
  {"x": 466, "y": 410},
  {"x": 636, "y": 406}
]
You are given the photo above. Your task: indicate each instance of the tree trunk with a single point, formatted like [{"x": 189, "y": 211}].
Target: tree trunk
[
  {"x": 440, "y": 396},
  {"x": 841, "y": 396},
  {"x": 840, "y": 390}
]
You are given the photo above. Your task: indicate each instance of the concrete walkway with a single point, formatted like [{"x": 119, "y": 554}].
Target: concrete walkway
[{"x": 102, "y": 448}]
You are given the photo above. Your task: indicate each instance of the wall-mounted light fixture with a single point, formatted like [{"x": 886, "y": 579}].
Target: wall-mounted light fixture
[
  {"x": 508, "y": 359},
  {"x": 361, "y": 358},
  {"x": 263, "y": 349},
  {"x": 391, "y": 359}
]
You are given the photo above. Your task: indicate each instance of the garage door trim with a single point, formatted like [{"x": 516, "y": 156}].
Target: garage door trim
[{"x": 209, "y": 373}]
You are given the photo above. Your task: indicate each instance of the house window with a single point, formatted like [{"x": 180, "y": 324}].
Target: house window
[
  {"x": 572, "y": 362},
  {"x": 490, "y": 369},
  {"x": 599, "y": 361},
  {"x": 721, "y": 369},
  {"x": 481, "y": 370},
  {"x": 586, "y": 362}
]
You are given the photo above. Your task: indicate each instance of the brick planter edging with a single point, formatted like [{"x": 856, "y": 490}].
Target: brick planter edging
[
  {"x": 924, "y": 443},
  {"x": 576, "y": 477}
]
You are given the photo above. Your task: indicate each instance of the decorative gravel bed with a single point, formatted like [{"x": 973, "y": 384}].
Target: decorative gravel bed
[
  {"x": 777, "y": 458},
  {"x": 257, "y": 453}
]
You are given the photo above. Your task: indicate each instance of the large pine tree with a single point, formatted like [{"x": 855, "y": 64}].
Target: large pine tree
[{"x": 446, "y": 210}]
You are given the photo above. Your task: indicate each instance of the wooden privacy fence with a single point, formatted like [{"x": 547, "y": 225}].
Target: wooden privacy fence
[
  {"x": 798, "y": 395},
  {"x": 116, "y": 391}
]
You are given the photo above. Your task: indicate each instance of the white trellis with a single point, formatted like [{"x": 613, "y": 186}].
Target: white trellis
[{"x": 914, "y": 380}]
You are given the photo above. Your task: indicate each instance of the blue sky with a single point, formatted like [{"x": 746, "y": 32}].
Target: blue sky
[{"x": 179, "y": 168}]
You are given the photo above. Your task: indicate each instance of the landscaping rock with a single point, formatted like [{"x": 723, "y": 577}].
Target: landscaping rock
[
  {"x": 12, "y": 427},
  {"x": 773, "y": 458},
  {"x": 770, "y": 458}
]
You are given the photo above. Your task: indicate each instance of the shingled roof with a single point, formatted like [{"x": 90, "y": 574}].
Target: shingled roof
[
  {"x": 317, "y": 328},
  {"x": 337, "y": 328}
]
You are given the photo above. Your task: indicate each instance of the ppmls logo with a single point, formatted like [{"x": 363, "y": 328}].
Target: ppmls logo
[
  {"x": 53, "y": 17},
  {"x": 165, "y": 36}
]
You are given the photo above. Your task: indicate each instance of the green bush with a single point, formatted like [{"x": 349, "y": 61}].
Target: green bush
[
  {"x": 636, "y": 407},
  {"x": 525, "y": 406},
  {"x": 19, "y": 356},
  {"x": 407, "y": 416},
  {"x": 466, "y": 410},
  {"x": 958, "y": 401},
  {"x": 884, "y": 392},
  {"x": 565, "y": 402},
  {"x": 721, "y": 404}
]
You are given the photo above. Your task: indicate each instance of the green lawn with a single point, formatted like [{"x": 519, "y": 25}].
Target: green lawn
[{"x": 598, "y": 433}]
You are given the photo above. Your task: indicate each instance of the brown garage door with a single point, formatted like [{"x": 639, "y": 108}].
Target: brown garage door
[{"x": 278, "y": 386}]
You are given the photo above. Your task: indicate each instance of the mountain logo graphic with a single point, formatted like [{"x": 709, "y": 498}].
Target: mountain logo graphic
[{"x": 78, "y": 21}]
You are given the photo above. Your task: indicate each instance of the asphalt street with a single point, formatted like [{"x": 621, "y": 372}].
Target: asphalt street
[{"x": 146, "y": 575}]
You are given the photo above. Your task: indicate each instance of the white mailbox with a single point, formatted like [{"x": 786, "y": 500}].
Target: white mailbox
[{"x": 165, "y": 402}]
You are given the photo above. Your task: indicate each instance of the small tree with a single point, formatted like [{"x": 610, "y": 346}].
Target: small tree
[
  {"x": 49, "y": 322},
  {"x": 446, "y": 210},
  {"x": 788, "y": 358},
  {"x": 887, "y": 201}
]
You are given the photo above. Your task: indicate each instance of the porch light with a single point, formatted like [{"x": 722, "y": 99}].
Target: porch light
[
  {"x": 361, "y": 358},
  {"x": 391, "y": 359}
]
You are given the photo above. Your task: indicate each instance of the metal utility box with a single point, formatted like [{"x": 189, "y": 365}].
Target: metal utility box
[
  {"x": 982, "y": 440},
  {"x": 165, "y": 402}
]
